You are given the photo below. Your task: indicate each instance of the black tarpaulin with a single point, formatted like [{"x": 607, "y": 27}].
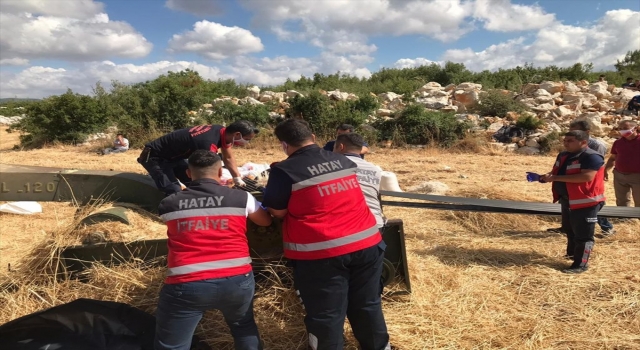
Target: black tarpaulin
[{"x": 83, "y": 324}]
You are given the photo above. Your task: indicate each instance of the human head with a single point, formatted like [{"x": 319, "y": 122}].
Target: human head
[
  {"x": 575, "y": 140},
  {"x": 602, "y": 77},
  {"x": 240, "y": 132},
  {"x": 294, "y": 134},
  {"x": 204, "y": 164},
  {"x": 580, "y": 125},
  {"x": 348, "y": 143},
  {"x": 344, "y": 129},
  {"x": 629, "y": 80},
  {"x": 628, "y": 129},
  {"x": 119, "y": 136}
]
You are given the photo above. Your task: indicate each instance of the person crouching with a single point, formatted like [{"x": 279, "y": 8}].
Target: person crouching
[
  {"x": 578, "y": 184},
  {"x": 209, "y": 266}
]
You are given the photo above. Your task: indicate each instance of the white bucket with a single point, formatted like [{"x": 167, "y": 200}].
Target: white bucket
[
  {"x": 389, "y": 182},
  {"x": 24, "y": 208}
]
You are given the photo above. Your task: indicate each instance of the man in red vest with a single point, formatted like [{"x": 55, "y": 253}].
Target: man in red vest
[
  {"x": 578, "y": 184},
  {"x": 209, "y": 266},
  {"x": 331, "y": 238}
]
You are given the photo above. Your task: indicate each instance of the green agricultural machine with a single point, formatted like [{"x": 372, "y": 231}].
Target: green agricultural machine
[{"x": 129, "y": 191}]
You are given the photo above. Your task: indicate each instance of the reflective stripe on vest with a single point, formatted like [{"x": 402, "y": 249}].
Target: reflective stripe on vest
[
  {"x": 596, "y": 199},
  {"x": 573, "y": 166},
  {"x": 209, "y": 265},
  {"x": 316, "y": 180},
  {"x": 190, "y": 213},
  {"x": 334, "y": 243}
]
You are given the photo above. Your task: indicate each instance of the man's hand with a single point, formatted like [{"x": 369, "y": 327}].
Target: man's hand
[
  {"x": 546, "y": 178},
  {"x": 606, "y": 176},
  {"x": 238, "y": 182}
]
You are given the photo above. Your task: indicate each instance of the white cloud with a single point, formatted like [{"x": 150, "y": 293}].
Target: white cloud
[
  {"x": 502, "y": 16},
  {"x": 196, "y": 7},
  {"x": 562, "y": 45},
  {"x": 412, "y": 63},
  {"x": 216, "y": 41},
  {"x": 40, "y": 81},
  {"x": 79, "y": 9},
  {"x": 443, "y": 20},
  {"x": 68, "y": 30},
  {"x": 14, "y": 62}
]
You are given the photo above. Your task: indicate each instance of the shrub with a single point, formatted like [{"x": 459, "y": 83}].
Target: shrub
[
  {"x": 228, "y": 112},
  {"x": 419, "y": 126},
  {"x": 495, "y": 103},
  {"x": 529, "y": 122},
  {"x": 67, "y": 118},
  {"x": 550, "y": 143}
]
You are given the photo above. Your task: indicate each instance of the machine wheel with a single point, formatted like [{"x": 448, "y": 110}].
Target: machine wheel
[{"x": 388, "y": 272}]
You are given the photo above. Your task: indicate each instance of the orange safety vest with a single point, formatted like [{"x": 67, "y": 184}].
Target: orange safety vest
[{"x": 585, "y": 194}]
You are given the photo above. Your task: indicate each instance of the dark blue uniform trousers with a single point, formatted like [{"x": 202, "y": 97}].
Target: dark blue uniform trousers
[
  {"x": 348, "y": 285},
  {"x": 579, "y": 225},
  {"x": 165, "y": 173}
]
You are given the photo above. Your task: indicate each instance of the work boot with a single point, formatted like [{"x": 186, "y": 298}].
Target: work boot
[{"x": 580, "y": 257}]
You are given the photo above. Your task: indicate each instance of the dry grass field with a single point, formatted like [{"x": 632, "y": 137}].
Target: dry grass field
[{"x": 479, "y": 280}]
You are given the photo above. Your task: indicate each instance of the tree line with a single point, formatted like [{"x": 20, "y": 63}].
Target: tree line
[{"x": 147, "y": 109}]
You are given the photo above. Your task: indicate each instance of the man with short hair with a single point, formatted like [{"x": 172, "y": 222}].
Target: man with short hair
[
  {"x": 331, "y": 239},
  {"x": 120, "y": 144},
  {"x": 601, "y": 148},
  {"x": 164, "y": 158},
  {"x": 209, "y": 266},
  {"x": 634, "y": 105},
  {"x": 369, "y": 175},
  {"x": 625, "y": 156},
  {"x": 345, "y": 129},
  {"x": 577, "y": 181},
  {"x": 629, "y": 84}
]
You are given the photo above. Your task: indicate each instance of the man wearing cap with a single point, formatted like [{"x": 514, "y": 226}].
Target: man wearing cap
[
  {"x": 165, "y": 158},
  {"x": 209, "y": 266},
  {"x": 577, "y": 181},
  {"x": 369, "y": 174},
  {"x": 331, "y": 239}
]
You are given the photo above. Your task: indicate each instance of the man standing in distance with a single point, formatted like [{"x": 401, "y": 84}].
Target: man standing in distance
[
  {"x": 625, "y": 156},
  {"x": 346, "y": 129},
  {"x": 165, "y": 158},
  {"x": 331, "y": 238},
  {"x": 578, "y": 184},
  {"x": 369, "y": 175},
  {"x": 209, "y": 263}
]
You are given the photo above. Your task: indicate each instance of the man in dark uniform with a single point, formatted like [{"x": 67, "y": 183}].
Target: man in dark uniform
[
  {"x": 331, "y": 239},
  {"x": 209, "y": 265},
  {"x": 165, "y": 158},
  {"x": 578, "y": 184}
]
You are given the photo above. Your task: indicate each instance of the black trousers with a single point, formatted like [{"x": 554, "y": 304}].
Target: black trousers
[
  {"x": 579, "y": 225},
  {"x": 165, "y": 173},
  {"x": 348, "y": 285}
]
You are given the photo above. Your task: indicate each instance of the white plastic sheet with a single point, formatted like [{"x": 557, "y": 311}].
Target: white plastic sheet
[{"x": 23, "y": 208}]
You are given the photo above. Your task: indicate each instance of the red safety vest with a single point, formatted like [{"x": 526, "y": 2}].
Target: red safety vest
[
  {"x": 585, "y": 194},
  {"x": 327, "y": 213},
  {"x": 206, "y": 229}
]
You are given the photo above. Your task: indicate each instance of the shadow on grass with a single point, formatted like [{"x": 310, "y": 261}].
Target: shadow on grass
[{"x": 461, "y": 256}]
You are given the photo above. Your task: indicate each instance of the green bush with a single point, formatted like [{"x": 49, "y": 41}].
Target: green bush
[
  {"x": 67, "y": 118},
  {"x": 228, "y": 112},
  {"x": 496, "y": 104},
  {"x": 419, "y": 126},
  {"x": 550, "y": 143},
  {"x": 529, "y": 122},
  {"x": 324, "y": 115}
]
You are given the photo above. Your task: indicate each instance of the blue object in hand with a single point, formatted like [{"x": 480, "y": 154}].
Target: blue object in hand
[{"x": 531, "y": 177}]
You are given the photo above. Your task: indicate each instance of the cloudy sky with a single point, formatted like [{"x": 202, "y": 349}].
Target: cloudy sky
[{"x": 47, "y": 46}]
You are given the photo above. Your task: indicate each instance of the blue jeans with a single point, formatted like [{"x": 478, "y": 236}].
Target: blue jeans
[
  {"x": 166, "y": 173},
  {"x": 181, "y": 306},
  {"x": 604, "y": 224}
]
